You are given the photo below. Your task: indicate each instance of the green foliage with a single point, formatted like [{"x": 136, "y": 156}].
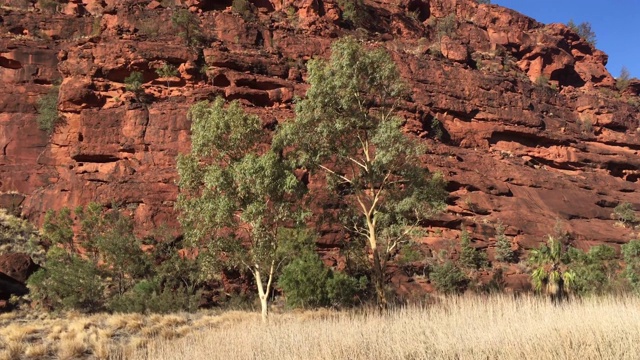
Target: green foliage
[
  {"x": 343, "y": 288},
  {"x": 631, "y": 257},
  {"x": 50, "y": 6},
  {"x": 542, "y": 81},
  {"x": 436, "y": 128},
  {"x": 504, "y": 252},
  {"x": 230, "y": 181},
  {"x": 188, "y": 25},
  {"x": 550, "y": 272},
  {"x": 372, "y": 167},
  {"x": 625, "y": 213},
  {"x": 484, "y": 1},
  {"x": 307, "y": 282},
  {"x": 110, "y": 272},
  {"x": 470, "y": 257},
  {"x": 167, "y": 71},
  {"x": 245, "y": 9},
  {"x": 354, "y": 12},
  {"x": 446, "y": 26},
  {"x": 595, "y": 271},
  {"x": 448, "y": 278},
  {"x": 134, "y": 82},
  {"x": 18, "y": 235},
  {"x": 48, "y": 115},
  {"x": 67, "y": 281},
  {"x": 622, "y": 82},
  {"x": 584, "y": 31},
  {"x": 304, "y": 281}
]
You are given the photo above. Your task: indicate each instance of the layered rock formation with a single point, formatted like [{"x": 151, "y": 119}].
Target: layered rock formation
[{"x": 522, "y": 118}]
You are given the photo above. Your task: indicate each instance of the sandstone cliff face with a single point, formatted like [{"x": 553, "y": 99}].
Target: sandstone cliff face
[{"x": 532, "y": 130}]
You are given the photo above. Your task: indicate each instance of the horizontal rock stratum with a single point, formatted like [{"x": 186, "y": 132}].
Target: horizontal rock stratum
[{"x": 522, "y": 118}]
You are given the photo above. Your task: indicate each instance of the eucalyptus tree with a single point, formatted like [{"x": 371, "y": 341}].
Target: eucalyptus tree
[
  {"x": 236, "y": 193},
  {"x": 347, "y": 127}
]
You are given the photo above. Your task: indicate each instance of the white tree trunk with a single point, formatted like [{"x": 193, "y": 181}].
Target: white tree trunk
[{"x": 263, "y": 293}]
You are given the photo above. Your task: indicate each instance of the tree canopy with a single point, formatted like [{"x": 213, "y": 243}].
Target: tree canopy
[
  {"x": 236, "y": 193},
  {"x": 347, "y": 128}
]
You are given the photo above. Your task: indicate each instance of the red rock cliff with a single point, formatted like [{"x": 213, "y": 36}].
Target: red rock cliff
[{"x": 533, "y": 130}]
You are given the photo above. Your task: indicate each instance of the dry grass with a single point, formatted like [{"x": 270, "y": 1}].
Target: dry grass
[
  {"x": 76, "y": 336},
  {"x": 498, "y": 327},
  {"x": 457, "y": 328}
]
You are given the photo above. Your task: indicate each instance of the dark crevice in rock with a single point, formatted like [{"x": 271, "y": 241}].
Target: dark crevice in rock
[
  {"x": 528, "y": 140},
  {"x": 95, "y": 158}
]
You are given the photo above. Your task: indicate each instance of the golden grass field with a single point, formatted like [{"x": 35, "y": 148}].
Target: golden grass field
[{"x": 497, "y": 327}]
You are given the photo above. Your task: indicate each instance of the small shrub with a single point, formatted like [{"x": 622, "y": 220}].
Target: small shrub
[
  {"x": 50, "y": 6},
  {"x": 304, "y": 281},
  {"x": 622, "y": 82},
  {"x": 67, "y": 282},
  {"x": 342, "y": 288},
  {"x": 584, "y": 31},
  {"x": 595, "y": 271},
  {"x": 625, "y": 214},
  {"x": 353, "y": 11},
  {"x": 446, "y": 26},
  {"x": 189, "y": 26},
  {"x": 244, "y": 8},
  {"x": 149, "y": 27},
  {"x": 503, "y": 246},
  {"x": 470, "y": 257},
  {"x": 448, "y": 278},
  {"x": 542, "y": 81},
  {"x": 436, "y": 128},
  {"x": 631, "y": 257},
  {"x": 484, "y": 1},
  {"x": 48, "y": 115},
  {"x": 167, "y": 71},
  {"x": 134, "y": 82}
]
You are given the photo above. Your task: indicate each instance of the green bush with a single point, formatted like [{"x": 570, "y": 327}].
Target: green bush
[
  {"x": 595, "y": 271},
  {"x": 304, "y": 281},
  {"x": 244, "y": 8},
  {"x": 470, "y": 257},
  {"x": 446, "y": 26},
  {"x": 308, "y": 283},
  {"x": 342, "y": 288},
  {"x": 625, "y": 214},
  {"x": 631, "y": 257},
  {"x": 48, "y": 115},
  {"x": 353, "y": 11},
  {"x": 111, "y": 272},
  {"x": 448, "y": 278},
  {"x": 134, "y": 82},
  {"x": 167, "y": 71},
  {"x": 503, "y": 246}
]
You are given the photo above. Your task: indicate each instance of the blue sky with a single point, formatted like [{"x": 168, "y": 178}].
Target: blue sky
[{"x": 615, "y": 23}]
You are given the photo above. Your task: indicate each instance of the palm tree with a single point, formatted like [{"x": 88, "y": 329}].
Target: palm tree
[{"x": 551, "y": 274}]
